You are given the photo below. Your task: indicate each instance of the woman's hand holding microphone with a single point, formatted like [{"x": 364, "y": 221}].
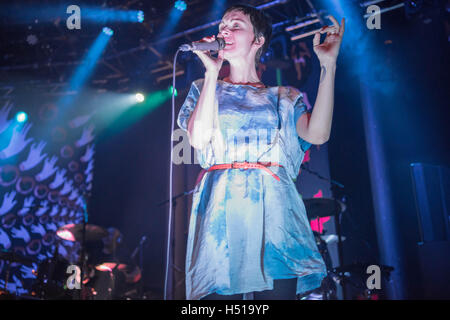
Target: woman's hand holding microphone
[{"x": 211, "y": 64}]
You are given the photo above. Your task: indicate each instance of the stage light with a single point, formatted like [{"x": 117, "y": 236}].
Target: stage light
[
  {"x": 180, "y": 5},
  {"x": 85, "y": 69},
  {"x": 21, "y": 117},
  {"x": 139, "y": 97},
  {"x": 108, "y": 31},
  {"x": 140, "y": 16},
  {"x": 171, "y": 90},
  {"x": 41, "y": 12}
]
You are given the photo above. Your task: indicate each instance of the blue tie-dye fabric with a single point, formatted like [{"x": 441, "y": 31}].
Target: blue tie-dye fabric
[{"x": 246, "y": 228}]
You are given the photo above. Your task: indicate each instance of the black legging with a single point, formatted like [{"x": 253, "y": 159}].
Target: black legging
[{"x": 283, "y": 289}]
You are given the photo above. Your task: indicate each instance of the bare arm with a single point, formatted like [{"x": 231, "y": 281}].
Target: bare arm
[
  {"x": 205, "y": 114},
  {"x": 201, "y": 121},
  {"x": 316, "y": 128}
]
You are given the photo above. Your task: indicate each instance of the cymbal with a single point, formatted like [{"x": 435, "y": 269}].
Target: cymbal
[
  {"x": 14, "y": 257},
  {"x": 110, "y": 266},
  {"x": 74, "y": 232},
  {"x": 322, "y": 207},
  {"x": 331, "y": 238},
  {"x": 327, "y": 238}
]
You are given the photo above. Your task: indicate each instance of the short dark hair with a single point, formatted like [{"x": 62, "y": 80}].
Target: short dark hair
[{"x": 262, "y": 25}]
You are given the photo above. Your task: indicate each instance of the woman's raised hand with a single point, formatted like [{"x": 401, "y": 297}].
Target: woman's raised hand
[
  {"x": 328, "y": 51},
  {"x": 211, "y": 64}
]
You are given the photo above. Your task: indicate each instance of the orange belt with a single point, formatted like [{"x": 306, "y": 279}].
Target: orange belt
[{"x": 248, "y": 165}]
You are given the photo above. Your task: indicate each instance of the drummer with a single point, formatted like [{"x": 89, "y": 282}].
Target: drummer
[{"x": 115, "y": 250}]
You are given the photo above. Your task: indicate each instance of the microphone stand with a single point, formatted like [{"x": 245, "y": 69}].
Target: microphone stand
[
  {"x": 83, "y": 244},
  {"x": 333, "y": 182},
  {"x": 140, "y": 249},
  {"x": 175, "y": 197},
  {"x": 52, "y": 266}
]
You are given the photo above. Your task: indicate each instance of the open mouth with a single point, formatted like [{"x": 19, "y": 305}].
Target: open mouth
[{"x": 228, "y": 44}]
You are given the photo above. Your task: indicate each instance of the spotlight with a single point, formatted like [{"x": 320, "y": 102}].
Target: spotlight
[
  {"x": 412, "y": 7},
  {"x": 180, "y": 5},
  {"x": 140, "y": 16},
  {"x": 21, "y": 117},
  {"x": 32, "y": 39},
  {"x": 108, "y": 31},
  {"x": 171, "y": 91},
  {"x": 139, "y": 97}
]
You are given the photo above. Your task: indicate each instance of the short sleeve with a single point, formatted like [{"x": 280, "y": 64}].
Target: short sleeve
[
  {"x": 188, "y": 106},
  {"x": 299, "y": 110}
]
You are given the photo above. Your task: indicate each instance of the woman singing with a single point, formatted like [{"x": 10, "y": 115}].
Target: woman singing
[{"x": 248, "y": 230}]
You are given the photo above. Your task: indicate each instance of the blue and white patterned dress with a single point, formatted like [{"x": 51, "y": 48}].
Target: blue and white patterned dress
[{"x": 246, "y": 228}]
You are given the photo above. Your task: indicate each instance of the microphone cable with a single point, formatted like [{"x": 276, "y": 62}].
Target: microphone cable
[{"x": 169, "y": 227}]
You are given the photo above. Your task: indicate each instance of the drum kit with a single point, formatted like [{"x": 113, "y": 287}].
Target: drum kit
[
  {"x": 343, "y": 275},
  {"x": 113, "y": 278},
  {"x": 102, "y": 280}
]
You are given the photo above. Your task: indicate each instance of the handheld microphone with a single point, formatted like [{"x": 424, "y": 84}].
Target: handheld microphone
[{"x": 216, "y": 45}]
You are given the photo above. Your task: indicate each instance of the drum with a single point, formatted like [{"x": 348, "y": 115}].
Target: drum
[{"x": 51, "y": 282}]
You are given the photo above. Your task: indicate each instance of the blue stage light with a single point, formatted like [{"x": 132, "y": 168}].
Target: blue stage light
[
  {"x": 108, "y": 31},
  {"x": 48, "y": 12},
  {"x": 21, "y": 117},
  {"x": 140, "y": 16},
  {"x": 85, "y": 69},
  {"x": 180, "y": 5}
]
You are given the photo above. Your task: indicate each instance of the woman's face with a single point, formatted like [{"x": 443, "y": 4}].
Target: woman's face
[{"x": 237, "y": 31}]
